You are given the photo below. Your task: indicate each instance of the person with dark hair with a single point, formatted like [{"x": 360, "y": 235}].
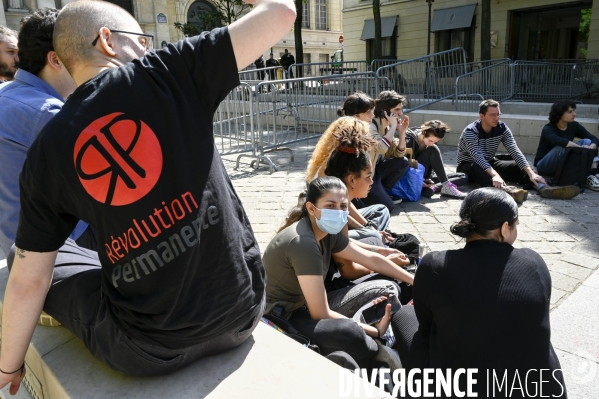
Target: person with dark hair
[
  {"x": 298, "y": 260},
  {"x": 387, "y": 171},
  {"x": 358, "y": 105},
  {"x": 272, "y": 73},
  {"x": 287, "y": 60},
  {"x": 179, "y": 275},
  {"x": 560, "y": 134},
  {"x": 486, "y": 306},
  {"x": 9, "y": 49},
  {"x": 477, "y": 158},
  {"x": 422, "y": 142},
  {"x": 26, "y": 105}
]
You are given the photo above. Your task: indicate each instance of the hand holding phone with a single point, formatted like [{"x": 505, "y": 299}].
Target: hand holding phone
[{"x": 376, "y": 312}]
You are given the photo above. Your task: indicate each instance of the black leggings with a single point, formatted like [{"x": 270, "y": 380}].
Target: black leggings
[{"x": 432, "y": 160}]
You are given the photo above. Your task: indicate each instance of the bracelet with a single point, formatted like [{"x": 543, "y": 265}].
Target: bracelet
[
  {"x": 23, "y": 366},
  {"x": 372, "y": 248},
  {"x": 378, "y": 332}
]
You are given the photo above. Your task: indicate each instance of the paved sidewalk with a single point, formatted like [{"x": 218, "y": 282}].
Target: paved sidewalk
[{"x": 565, "y": 233}]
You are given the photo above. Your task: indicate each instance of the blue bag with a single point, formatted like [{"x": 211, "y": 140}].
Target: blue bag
[{"x": 409, "y": 187}]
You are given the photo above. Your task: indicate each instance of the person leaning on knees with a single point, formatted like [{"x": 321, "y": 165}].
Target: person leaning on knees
[
  {"x": 167, "y": 222},
  {"x": 477, "y": 149},
  {"x": 559, "y": 134}
]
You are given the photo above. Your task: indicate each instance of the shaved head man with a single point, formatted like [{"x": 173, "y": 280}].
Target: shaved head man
[
  {"x": 178, "y": 275},
  {"x": 9, "y": 57}
]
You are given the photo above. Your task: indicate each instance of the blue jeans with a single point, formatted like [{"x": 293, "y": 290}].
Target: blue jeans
[
  {"x": 548, "y": 164},
  {"x": 379, "y": 214}
]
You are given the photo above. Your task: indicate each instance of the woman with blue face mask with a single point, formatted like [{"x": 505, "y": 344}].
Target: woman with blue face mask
[{"x": 297, "y": 261}]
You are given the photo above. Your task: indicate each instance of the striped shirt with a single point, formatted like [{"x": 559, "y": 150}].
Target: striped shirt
[{"x": 478, "y": 147}]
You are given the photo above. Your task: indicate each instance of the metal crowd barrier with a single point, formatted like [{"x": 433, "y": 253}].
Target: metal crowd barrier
[
  {"x": 327, "y": 68},
  {"x": 535, "y": 80},
  {"x": 233, "y": 122},
  {"x": 255, "y": 76},
  {"x": 300, "y": 109},
  {"x": 493, "y": 81},
  {"x": 424, "y": 80},
  {"x": 381, "y": 62},
  {"x": 261, "y": 117},
  {"x": 586, "y": 75}
]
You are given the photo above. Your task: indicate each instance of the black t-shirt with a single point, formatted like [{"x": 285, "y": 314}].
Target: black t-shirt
[{"x": 132, "y": 152}]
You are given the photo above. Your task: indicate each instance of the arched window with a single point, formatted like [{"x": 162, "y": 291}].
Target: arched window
[
  {"x": 203, "y": 15},
  {"x": 126, "y": 4}
]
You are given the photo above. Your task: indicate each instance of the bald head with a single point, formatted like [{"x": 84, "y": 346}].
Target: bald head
[{"x": 78, "y": 25}]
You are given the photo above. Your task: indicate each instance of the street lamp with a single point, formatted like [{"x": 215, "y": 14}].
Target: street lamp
[{"x": 430, "y": 5}]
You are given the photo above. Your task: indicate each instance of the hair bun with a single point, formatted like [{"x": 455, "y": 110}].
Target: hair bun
[{"x": 463, "y": 228}]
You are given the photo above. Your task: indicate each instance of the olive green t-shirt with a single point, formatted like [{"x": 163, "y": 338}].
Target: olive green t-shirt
[{"x": 294, "y": 252}]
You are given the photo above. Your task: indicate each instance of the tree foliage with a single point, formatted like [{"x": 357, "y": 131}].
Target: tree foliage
[{"x": 224, "y": 13}]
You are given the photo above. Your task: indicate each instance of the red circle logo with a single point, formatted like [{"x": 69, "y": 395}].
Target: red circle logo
[{"x": 118, "y": 160}]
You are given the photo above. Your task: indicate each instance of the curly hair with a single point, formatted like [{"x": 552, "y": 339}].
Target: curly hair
[
  {"x": 559, "y": 109},
  {"x": 386, "y": 101},
  {"x": 435, "y": 127},
  {"x": 355, "y": 104},
  {"x": 348, "y": 131},
  {"x": 35, "y": 39}
]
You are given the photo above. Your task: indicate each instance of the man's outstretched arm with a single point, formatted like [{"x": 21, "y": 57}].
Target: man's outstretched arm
[
  {"x": 27, "y": 287},
  {"x": 260, "y": 29}
]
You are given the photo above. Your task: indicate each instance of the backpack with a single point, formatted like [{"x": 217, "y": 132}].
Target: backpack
[{"x": 573, "y": 167}]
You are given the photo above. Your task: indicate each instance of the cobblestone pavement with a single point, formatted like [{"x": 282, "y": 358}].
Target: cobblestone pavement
[{"x": 563, "y": 232}]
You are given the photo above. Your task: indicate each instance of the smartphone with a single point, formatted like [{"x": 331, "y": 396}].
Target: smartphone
[{"x": 376, "y": 312}]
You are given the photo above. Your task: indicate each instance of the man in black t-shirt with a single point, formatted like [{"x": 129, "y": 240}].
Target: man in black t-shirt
[{"x": 179, "y": 274}]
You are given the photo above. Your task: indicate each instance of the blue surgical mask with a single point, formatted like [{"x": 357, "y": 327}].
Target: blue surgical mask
[{"x": 331, "y": 220}]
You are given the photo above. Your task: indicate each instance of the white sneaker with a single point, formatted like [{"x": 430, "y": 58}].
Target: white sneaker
[
  {"x": 593, "y": 183},
  {"x": 451, "y": 190}
]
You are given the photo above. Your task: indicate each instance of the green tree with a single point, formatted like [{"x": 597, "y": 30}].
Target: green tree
[
  {"x": 584, "y": 28},
  {"x": 225, "y": 12}
]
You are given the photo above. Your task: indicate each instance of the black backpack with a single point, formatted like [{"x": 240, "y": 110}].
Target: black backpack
[{"x": 574, "y": 166}]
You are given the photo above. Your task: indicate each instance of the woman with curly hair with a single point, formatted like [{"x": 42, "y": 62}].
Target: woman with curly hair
[{"x": 351, "y": 132}]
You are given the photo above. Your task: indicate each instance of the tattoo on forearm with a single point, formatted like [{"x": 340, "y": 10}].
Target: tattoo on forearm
[{"x": 21, "y": 253}]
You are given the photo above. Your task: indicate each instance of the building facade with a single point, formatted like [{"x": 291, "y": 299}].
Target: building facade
[
  {"x": 322, "y": 21},
  {"x": 520, "y": 29}
]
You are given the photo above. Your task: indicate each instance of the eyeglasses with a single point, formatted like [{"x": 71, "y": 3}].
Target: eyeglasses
[{"x": 147, "y": 41}]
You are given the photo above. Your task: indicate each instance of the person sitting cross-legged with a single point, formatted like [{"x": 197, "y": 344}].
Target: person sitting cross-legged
[
  {"x": 558, "y": 135},
  {"x": 477, "y": 158}
]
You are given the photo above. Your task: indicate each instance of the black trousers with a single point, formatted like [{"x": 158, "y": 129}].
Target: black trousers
[
  {"x": 75, "y": 299},
  {"x": 388, "y": 172},
  {"x": 506, "y": 167}
]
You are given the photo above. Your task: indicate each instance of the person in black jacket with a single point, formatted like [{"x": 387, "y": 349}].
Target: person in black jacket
[
  {"x": 560, "y": 134},
  {"x": 486, "y": 306},
  {"x": 287, "y": 60}
]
